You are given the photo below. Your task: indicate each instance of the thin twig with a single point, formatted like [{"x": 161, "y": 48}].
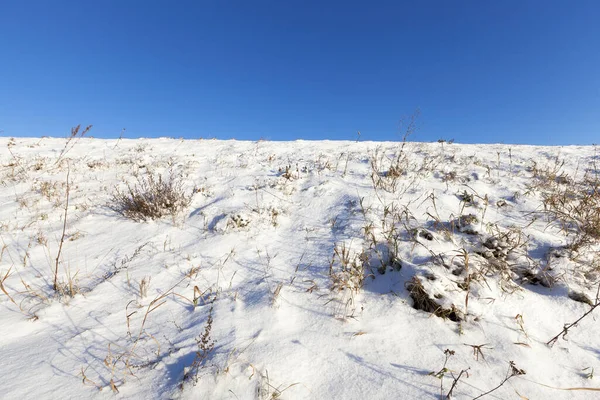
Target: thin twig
[
  {"x": 512, "y": 371},
  {"x": 566, "y": 328},
  {"x": 62, "y": 238},
  {"x": 464, "y": 371}
]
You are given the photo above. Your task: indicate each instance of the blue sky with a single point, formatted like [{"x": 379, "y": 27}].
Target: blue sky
[{"x": 478, "y": 71}]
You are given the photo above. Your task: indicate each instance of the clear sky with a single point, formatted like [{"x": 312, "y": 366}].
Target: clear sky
[{"x": 478, "y": 71}]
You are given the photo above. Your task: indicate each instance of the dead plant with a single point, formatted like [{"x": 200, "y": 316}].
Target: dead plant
[
  {"x": 152, "y": 197},
  {"x": 205, "y": 347},
  {"x": 512, "y": 372},
  {"x": 76, "y": 134}
]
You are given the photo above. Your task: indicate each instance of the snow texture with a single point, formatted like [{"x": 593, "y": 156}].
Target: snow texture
[{"x": 294, "y": 271}]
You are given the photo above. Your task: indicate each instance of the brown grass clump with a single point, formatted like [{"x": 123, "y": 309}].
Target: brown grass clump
[
  {"x": 152, "y": 197},
  {"x": 577, "y": 209},
  {"x": 347, "y": 271},
  {"x": 572, "y": 201}
]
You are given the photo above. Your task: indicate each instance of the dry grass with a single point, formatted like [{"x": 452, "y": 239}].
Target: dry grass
[
  {"x": 205, "y": 347},
  {"x": 386, "y": 171},
  {"x": 576, "y": 208},
  {"x": 76, "y": 134},
  {"x": 346, "y": 270},
  {"x": 152, "y": 197},
  {"x": 571, "y": 201},
  {"x": 268, "y": 391},
  {"x": 347, "y": 274}
]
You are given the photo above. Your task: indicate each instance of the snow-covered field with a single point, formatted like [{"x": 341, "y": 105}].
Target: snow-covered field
[{"x": 295, "y": 271}]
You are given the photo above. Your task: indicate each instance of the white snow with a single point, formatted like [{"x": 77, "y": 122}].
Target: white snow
[{"x": 258, "y": 241}]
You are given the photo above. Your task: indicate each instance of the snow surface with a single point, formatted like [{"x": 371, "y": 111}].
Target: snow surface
[{"x": 257, "y": 241}]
